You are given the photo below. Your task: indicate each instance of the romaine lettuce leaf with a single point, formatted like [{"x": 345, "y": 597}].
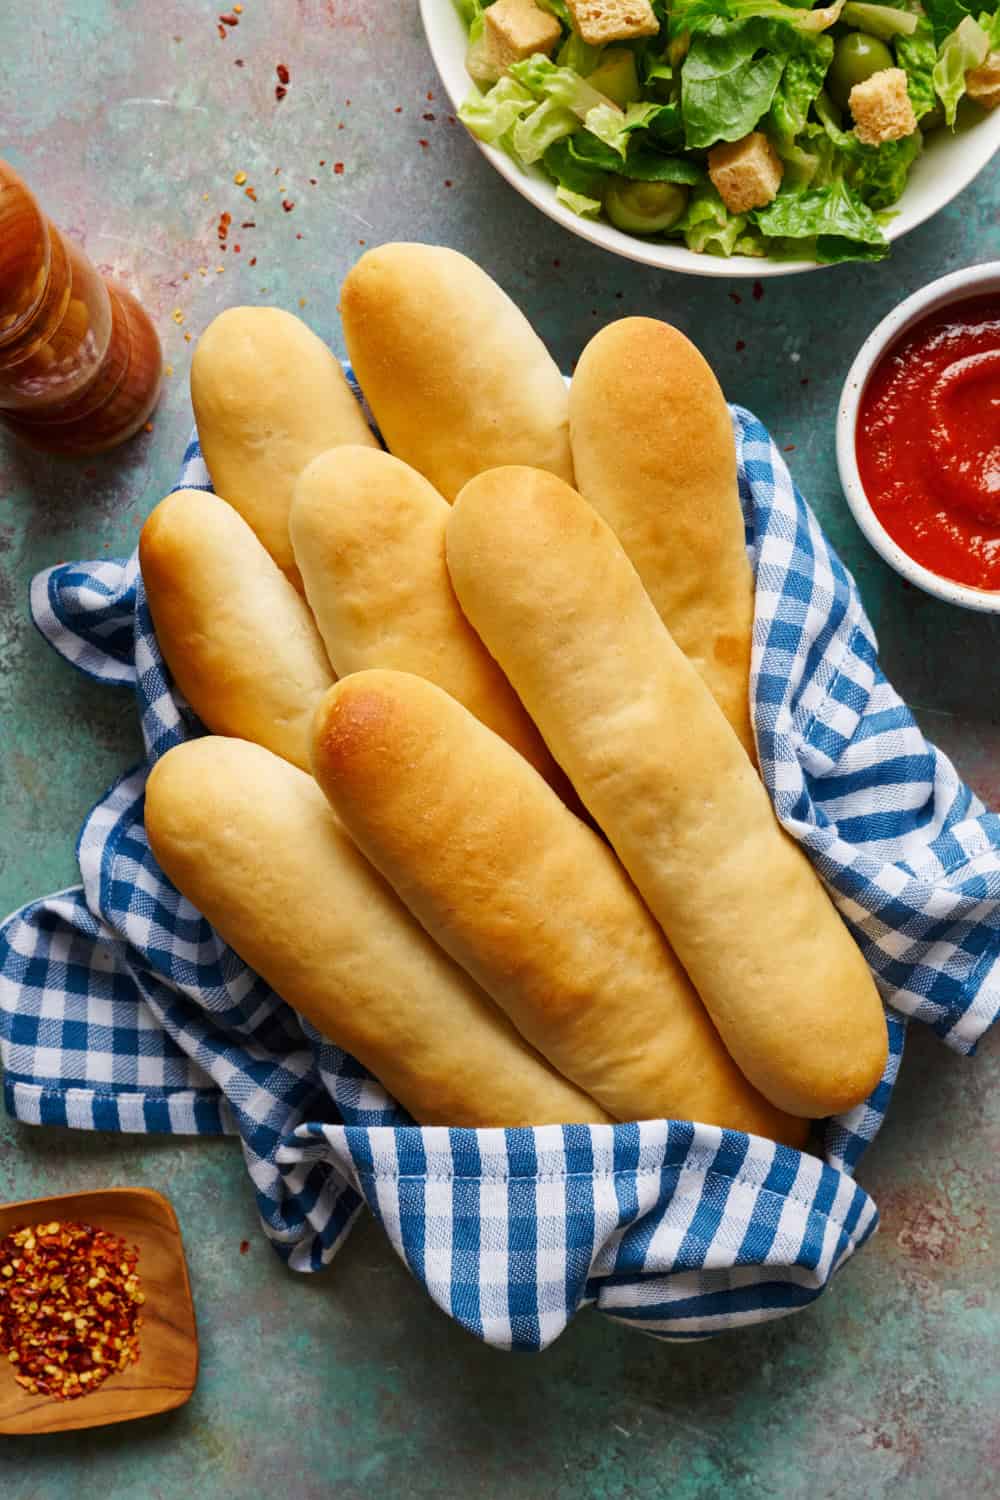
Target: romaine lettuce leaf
[
  {"x": 965, "y": 48},
  {"x": 800, "y": 82},
  {"x": 562, "y": 86},
  {"x": 578, "y": 203},
  {"x": 572, "y": 175},
  {"x": 577, "y": 54},
  {"x": 725, "y": 86},
  {"x": 842, "y": 226},
  {"x": 878, "y": 174},
  {"x": 644, "y": 165},
  {"x": 917, "y": 56},
  {"x": 614, "y": 126},
  {"x": 490, "y": 116},
  {"x": 883, "y": 21},
  {"x": 534, "y": 133},
  {"x": 698, "y": 15},
  {"x": 708, "y": 226}
]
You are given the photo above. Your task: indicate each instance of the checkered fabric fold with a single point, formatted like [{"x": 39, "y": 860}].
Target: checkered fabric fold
[{"x": 122, "y": 1009}]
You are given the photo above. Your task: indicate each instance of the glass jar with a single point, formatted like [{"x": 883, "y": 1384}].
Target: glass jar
[{"x": 80, "y": 361}]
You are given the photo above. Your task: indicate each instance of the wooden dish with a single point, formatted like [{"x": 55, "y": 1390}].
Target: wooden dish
[{"x": 167, "y": 1369}]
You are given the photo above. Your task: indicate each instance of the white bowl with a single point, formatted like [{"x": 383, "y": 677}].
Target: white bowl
[
  {"x": 973, "y": 281},
  {"x": 949, "y": 164}
]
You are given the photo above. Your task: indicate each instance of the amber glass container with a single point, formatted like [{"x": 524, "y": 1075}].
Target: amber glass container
[{"x": 80, "y": 362}]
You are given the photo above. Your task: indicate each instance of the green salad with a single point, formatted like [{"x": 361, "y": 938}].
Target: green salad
[{"x": 735, "y": 127}]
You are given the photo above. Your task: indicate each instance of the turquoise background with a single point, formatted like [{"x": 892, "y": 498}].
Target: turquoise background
[{"x": 131, "y": 119}]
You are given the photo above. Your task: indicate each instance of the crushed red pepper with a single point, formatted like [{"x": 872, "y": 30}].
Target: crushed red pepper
[
  {"x": 283, "y": 74},
  {"x": 69, "y": 1306},
  {"x": 280, "y": 92}
]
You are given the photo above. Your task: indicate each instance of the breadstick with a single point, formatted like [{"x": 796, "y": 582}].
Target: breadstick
[
  {"x": 239, "y": 640},
  {"x": 252, "y": 844},
  {"x": 552, "y": 594},
  {"x": 368, "y": 533},
  {"x": 456, "y": 376},
  {"x": 654, "y": 454},
  {"x": 268, "y": 396},
  {"x": 530, "y": 901}
]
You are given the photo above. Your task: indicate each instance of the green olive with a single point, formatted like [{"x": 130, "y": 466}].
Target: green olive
[
  {"x": 855, "y": 58},
  {"x": 644, "y": 207}
]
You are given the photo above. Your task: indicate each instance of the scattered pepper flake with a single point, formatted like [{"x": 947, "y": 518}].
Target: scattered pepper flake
[
  {"x": 149, "y": 428},
  {"x": 240, "y": 178},
  {"x": 740, "y": 346},
  {"x": 287, "y": 204},
  {"x": 283, "y": 74},
  {"x": 323, "y": 162},
  {"x": 280, "y": 92},
  {"x": 313, "y": 181},
  {"x": 244, "y": 1247},
  {"x": 789, "y": 448},
  {"x": 222, "y": 32},
  {"x": 430, "y": 97},
  {"x": 423, "y": 144},
  {"x": 177, "y": 315},
  {"x": 253, "y": 261},
  {"x": 398, "y": 110},
  {"x": 237, "y": 62},
  {"x": 251, "y": 194},
  {"x": 432, "y": 118},
  {"x": 236, "y": 249},
  {"x": 249, "y": 224},
  {"x": 735, "y": 297},
  {"x": 228, "y": 19},
  {"x": 452, "y": 120},
  {"x": 804, "y": 380},
  {"x": 298, "y": 236},
  {"x": 338, "y": 168},
  {"x": 447, "y": 182},
  {"x": 758, "y": 290}
]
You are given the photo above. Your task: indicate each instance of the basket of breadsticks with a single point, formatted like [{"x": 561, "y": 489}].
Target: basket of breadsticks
[{"x": 528, "y": 845}]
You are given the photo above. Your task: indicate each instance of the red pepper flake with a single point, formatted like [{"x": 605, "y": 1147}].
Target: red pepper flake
[
  {"x": 362, "y": 242},
  {"x": 432, "y": 118},
  {"x": 313, "y": 181},
  {"x": 69, "y": 1305},
  {"x": 789, "y": 448},
  {"x": 758, "y": 290},
  {"x": 251, "y": 194},
  {"x": 298, "y": 236},
  {"x": 740, "y": 346},
  {"x": 237, "y": 62},
  {"x": 398, "y": 110},
  {"x": 222, "y": 32},
  {"x": 338, "y": 168},
  {"x": 280, "y": 92},
  {"x": 447, "y": 182},
  {"x": 249, "y": 224},
  {"x": 452, "y": 120},
  {"x": 236, "y": 249},
  {"x": 283, "y": 74},
  {"x": 287, "y": 204},
  {"x": 735, "y": 297},
  {"x": 430, "y": 96},
  {"x": 804, "y": 380},
  {"x": 348, "y": 103},
  {"x": 228, "y": 19},
  {"x": 424, "y": 144},
  {"x": 277, "y": 171},
  {"x": 252, "y": 261},
  {"x": 244, "y": 1247},
  {"x": 323, "y": 162},
  {"x": 557, "y": 264}
]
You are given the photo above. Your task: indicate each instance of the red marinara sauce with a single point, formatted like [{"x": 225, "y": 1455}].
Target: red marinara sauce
[{"x": 928, "y": 442}]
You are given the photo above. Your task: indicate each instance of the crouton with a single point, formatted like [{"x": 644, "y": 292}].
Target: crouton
[
  {"x": 746, "y": 174},
  {"x": 513, "y": 29},
  {"x": 983, "y": 83},
  {"x": 881, "y": 108},
  {"x": 601, "y": 21}
]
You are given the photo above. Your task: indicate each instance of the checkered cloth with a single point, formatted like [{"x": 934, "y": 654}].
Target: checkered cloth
[{"x": 121, "y": 1009}]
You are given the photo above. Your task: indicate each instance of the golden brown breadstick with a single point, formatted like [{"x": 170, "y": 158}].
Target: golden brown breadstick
[
  {"x": 268, "y": 396},
  {"x": 239, "y": 640},
  {"x": 654, "y": 454},
  {"x": 530, "y": 901},
  {"x": 253, "y": 845},
  {"x": 456, "y": 376},
  {"x": 552, "y": 594},
  {"x": 368, "y": 534}
]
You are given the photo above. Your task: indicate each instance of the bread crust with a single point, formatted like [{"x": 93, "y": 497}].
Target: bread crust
[
  {"x": 455, "y": 375},
  {"x": 556, "y": 600},
  {"x": 268, "y": 395},
  {"x": 530, "y": 901},
  {"x": 368, "y": 535},
  {"x": 238, "y": 638},
  {"x": 654, "y": 455},
  {"x": 253, "y": 845}
]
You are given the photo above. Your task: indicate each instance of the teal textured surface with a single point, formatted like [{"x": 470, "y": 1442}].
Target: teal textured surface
[{"x": 352, "y": 1382}]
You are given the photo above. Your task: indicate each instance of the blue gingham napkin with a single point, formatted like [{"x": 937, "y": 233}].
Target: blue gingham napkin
[{"x": 121, "y": 1009}]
